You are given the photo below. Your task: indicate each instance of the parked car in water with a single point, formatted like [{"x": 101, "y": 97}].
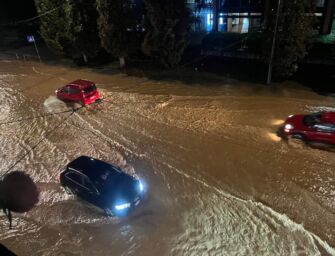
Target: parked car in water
[
  {"x": 316, "y": 127},
  {"x": 103, "y": 185},
  {"x": 82, "y": 91}
]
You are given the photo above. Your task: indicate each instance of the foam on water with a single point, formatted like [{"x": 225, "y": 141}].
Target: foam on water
[
  {"x": 52, "y": 103},
  {"x": 320, "y": 108},
  {"x": 241, "y": 227}
]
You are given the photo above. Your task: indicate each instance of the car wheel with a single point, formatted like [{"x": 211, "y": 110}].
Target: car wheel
[
  {"x": 297, "y": 141},
  {"x": 298, "y": 137}
]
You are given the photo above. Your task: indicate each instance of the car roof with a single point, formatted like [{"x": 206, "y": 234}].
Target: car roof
[
  {"x": 94, "y": 168},
  {"x": 81, "y": 83}
]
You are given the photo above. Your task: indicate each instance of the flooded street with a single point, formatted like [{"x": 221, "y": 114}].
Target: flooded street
[{"x": 220, "y": 182}]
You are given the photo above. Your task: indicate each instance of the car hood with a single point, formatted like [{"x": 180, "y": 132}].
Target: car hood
[
  {"x": 123, "y": 188},
  {"x": 295, "y": 119}
]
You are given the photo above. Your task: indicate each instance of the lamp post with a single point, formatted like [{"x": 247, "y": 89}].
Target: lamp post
[{"x": 268, "y": 80}]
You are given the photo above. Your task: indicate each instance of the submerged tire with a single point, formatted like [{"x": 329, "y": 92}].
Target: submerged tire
[
  {"x": 77, "y": 105},
  {"x": 68, "y": 191},
  {"x": 298, "y": 137},
  {"x": 297, "y": 141},
  {"x": 108, "y": 212}
]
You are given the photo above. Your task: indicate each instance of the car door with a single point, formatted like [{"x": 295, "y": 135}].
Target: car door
[
  {"x": 77, "y": 182},
  {"x": 92, "y": 193},
  {"x": 324, "y": 133},
  {"x": 74, "y": 181},
  {"x": 75, "y": 94},
  {"x": 64, "y": 93}
]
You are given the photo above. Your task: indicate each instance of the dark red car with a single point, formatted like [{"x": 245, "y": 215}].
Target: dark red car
[
  {"x": 316, "y": 127},
  {"x": 82, "y": 91}
]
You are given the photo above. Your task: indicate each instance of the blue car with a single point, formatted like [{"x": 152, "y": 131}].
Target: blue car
[{"x": 103, "y": 185}]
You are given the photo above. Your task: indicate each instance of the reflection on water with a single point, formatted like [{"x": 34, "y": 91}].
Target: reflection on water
[
  {"x": 220, "y": 181},
  {"x": 277, "y": 122},
  {"x": 273, "y": 136}
]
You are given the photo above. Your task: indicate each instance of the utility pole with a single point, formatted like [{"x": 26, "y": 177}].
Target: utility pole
[{"x": 268, "y": 81}]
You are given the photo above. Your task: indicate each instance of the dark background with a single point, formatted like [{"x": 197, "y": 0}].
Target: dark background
[{"x": 14, "y": 10}]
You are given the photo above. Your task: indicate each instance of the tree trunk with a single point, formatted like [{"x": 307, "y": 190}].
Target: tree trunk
[
  {"x": 216, "y": 6},
  {"x": 327, "y": 17},
  {"x": 84, "y": 57},
  {"x": 122, "y": 61}
]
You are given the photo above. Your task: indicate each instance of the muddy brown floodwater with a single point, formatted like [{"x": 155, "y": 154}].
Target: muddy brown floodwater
[{"x": 219, "y": 180}]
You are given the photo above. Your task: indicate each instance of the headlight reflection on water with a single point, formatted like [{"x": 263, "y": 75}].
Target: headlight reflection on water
[
  {"x": 273, "y": 136},
  {"x": 277, "y": 121}
]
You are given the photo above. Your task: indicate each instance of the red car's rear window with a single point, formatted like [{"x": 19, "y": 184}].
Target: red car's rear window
[{"x": 89, "y": 89}]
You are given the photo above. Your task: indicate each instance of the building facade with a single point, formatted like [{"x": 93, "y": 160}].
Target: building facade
[{"x": 243, "y": 16}]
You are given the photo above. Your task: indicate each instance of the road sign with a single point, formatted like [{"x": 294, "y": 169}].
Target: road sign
[{"x": 30, "y": 39}]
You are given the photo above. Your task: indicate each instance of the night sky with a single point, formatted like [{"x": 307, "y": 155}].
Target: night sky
[{"x": 13, "y": 10}]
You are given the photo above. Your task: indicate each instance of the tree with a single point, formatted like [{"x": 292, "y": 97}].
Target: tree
[
  {"x": 294, "y": 32},
  {"x": 70, "y": 27},
  {"x": 117, "y": 28},
  {"x": 86, "y": 37},
  {"x": 56, "y": 25},
  {"x": 18, "y": 193},
  {"x": 167, "y": 29}
]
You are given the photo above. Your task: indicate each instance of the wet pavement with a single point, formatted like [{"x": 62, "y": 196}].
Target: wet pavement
[{"x": 220, "y": 182}]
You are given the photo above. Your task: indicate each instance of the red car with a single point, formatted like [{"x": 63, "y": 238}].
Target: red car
[
  {"x": 82, "y": 91},
  {"x": 316, "y": 127}
]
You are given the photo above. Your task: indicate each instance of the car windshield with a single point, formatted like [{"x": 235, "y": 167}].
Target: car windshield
[
  {"x": 313, "y": 119},
  {"x": 90, "y": 89},
  {"x": 101, "y": 179}
]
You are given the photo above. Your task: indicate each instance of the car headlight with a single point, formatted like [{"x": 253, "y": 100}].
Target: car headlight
[
  {"x": 288, "y": 127},
  {"x": 140, "y": 186},
  {"x": 123, "y": 206}
]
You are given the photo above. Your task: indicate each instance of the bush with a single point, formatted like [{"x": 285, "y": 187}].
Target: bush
[{"x": 221, "y": 41}]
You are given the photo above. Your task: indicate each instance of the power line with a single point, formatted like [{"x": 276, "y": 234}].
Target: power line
[
  {"x": 46, "y": 135},
  {"x": 35, "y": 117},
  {"x": 32, "y": 18}
]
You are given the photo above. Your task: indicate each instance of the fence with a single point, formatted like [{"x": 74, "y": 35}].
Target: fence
[{"x": 18, "y": 56}]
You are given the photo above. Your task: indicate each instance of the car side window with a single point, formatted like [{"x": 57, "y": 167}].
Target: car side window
[
  {"x": 88, "y": 184},
  {"x": 73, "y": 90},
  {"x": 66, "y": 89},
  {"x": 325, "y": 128},
  {"x": 75, "y": 177}
]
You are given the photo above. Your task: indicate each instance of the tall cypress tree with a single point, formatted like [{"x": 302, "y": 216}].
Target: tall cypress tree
[
  {"x": 56, "y": 25},
  {"x": 167, "y": 28},
  {"x": 70, "y": 27},
  {"x": 294, "y": 32},
  {"x": 117, "y": 27},
  {"x": 87, "y": 42}
]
